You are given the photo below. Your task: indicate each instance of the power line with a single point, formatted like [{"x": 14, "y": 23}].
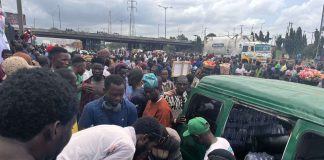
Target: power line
[{"x": 132, "y": 6}]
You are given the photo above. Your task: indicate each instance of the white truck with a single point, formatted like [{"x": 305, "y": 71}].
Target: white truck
[
  {"x": 225, "y": 45},
  {"x": 259, "y": 51},
  {"x": 239, "y": 44}
]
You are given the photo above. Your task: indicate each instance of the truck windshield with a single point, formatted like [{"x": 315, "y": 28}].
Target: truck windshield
[{"x": 262, "y": 47}]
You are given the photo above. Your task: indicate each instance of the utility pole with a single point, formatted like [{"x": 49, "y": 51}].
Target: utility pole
[
  {"x": 34, "y": 23},
  {"x": 165, "y": 8},
  {"x": 59, "y": 9},
  {"x": 252, "y": 28},
  {"x": 320, "y": 34},
  {"x": 132, "y": 8},
  {"x": 241, "y": 29},
  {"x": 262, "y": 25},
  {"x": 20, "y": 17},
  {"x": 109, "y": 23},
  {"x": 289, "y": 26}
]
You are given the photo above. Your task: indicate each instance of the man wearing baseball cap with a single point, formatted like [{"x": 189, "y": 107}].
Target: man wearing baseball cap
[{"x": 199, "y": 130}]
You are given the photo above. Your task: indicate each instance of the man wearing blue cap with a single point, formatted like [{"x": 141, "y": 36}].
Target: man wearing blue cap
[
  {"x": 157, "y": 106},
  {"x": 199, "y": 130}
]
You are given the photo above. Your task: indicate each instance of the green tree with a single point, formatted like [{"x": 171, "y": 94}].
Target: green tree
[
  {"x": 279, "y": 42},
  {"x": 172, "y": 37},
  {"x": 267, "y": 37},
  {"x": 309, "y": 51},
  {"x": 298, "y": 39},
  {"x": 261, "y": 36},
  {"x": 197, "y": 44},
  {"x": 211, "y": 35},
  {"x": 316, "y": 35},
  {"x": 304, "y": 41},
  {"x": 182, "y": 37},
  {"x": 169, "y": 48}
]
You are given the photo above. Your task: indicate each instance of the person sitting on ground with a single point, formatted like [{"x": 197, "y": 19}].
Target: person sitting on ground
[
  {"x": 157, "y": 106},
  {"x": 199, "y": 130},
  {"x": 112, "y": 108},
  {"x": 34, "y": 125},
  {"x": 114, "y": 142}
]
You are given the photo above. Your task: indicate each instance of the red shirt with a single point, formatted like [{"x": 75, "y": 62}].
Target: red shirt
[{"x": 159, "y": 110}]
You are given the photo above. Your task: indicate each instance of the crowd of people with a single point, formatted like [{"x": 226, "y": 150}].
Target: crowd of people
[{"x": 117, "y": 104}]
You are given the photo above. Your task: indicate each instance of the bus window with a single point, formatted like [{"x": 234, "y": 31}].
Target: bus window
[{"x": 251, "y": 131}]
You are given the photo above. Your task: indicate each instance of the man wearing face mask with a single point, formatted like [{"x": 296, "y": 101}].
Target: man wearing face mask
[{"x": 112, "y": 108}]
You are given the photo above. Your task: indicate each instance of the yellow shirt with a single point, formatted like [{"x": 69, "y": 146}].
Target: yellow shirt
[{"x": 75, "y": 128}]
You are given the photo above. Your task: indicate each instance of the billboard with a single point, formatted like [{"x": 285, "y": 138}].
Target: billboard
[{"x": 12, "y": 18}]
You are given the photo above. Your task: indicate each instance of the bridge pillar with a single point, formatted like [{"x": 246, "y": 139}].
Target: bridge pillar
[{"x": 91, "y": 44}]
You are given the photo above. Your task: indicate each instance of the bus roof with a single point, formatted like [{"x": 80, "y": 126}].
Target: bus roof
[{"x": 292, "y": 99}]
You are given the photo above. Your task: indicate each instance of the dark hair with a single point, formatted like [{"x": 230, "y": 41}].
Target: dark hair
[
  {"x": 32, "y": 99},
  {"x": 55, "y": 51},
  {"x": 135, "y": 76},
  {"x": 19, "y": 48},
  {"x": 114, "y": 79},
  {"x": 181, "y": 77},
  {"x": 220, "y": 154},
  {"x": 6, "y": 51},
  {"x": 76, "y": 60},
  {"x": 66, "y": 74},
  {"x": 42, "y": 60},
  {"x": 98, "y": 60},
  {"x": 171, "y": 144},
  {"x": 149, "y": 126}
]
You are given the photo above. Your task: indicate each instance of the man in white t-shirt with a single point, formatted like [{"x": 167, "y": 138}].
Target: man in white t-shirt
[
  {"x": 110, "y": 142},
  {"x": 199, "y": 129}
]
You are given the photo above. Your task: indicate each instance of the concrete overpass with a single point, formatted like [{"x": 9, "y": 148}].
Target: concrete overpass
[{"x": 93, "y": 40}]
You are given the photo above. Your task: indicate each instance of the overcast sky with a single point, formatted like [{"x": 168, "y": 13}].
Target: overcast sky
[{"x": 186, "y": 16}]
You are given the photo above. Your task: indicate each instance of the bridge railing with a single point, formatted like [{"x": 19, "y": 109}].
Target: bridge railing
[{"x": 106, "y": 34}]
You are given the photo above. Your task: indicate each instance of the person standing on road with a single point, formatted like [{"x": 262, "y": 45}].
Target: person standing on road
[
  {"x": 111, "y": 109},
  {"x": 177, "y": 98},
  {"x": 93, "y": 87},
  {"x": 59, "y": 58},
  {"x": 157, "y": 106}
]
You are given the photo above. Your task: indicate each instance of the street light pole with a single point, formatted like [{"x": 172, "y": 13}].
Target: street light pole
[
  {"x": 165, "y": 8},
  {"x": 159, "y": 30},
  {"x": 121, "y": 27},
  {"x": 53, "y": 20},
  {"x": 59, "y": 8},
  {"x": 20, "y": 17}
]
